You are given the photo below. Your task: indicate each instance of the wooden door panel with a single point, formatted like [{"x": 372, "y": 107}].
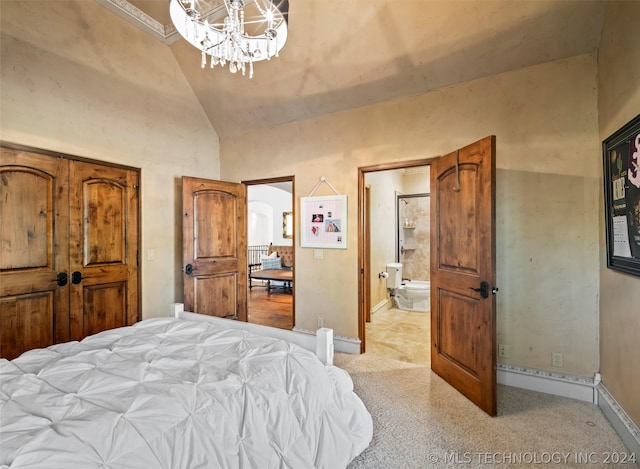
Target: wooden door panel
[
  {"x": 26, "y": 215},
  {"x": 456, "y": 315},
  {"x": 458, "y": 250},
  {"x": 34, "y": 249},
  {"x": 105, "y": 306},
  {"x": 104, "y": 212},
  {"x": 220, "y": 290},
  {"x": 26, "y": 322},
  {"x": 463, "y": 326},
  {"x": 103, "y": 205},
  {"x": 214, "y": 247},
  {"x": 214, "y": 240}
]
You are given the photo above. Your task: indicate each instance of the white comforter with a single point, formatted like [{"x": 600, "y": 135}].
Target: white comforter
[{"x": 169, "y": 393}]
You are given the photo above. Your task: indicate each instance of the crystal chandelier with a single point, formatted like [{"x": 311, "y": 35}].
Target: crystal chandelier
[{"x": 238, "y": 39}]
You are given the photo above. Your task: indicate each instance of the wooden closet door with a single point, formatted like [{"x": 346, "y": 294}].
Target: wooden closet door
[
  {"x": 34, "y": 251},
  {"x": 103, "y": 268}
]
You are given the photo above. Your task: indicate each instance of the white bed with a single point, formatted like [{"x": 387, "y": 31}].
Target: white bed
[{"x": 174, "y": 393}]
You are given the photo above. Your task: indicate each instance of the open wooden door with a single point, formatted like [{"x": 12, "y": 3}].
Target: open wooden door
[
  {"x": 214, "y": 234},
  {"x": 463, "y": 319}
]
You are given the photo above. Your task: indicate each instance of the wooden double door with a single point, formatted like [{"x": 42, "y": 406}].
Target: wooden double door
[{"x": 69, "y": 248}]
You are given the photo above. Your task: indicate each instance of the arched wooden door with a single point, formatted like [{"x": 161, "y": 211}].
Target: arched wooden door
[
  {"x": 463, "y": 307},
  {"x": 214, "y": 247}
]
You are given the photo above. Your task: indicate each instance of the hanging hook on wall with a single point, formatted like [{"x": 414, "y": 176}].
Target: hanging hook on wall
[
  {"x": 323, "y": 180},
  {"x": 457, "y": 186}
]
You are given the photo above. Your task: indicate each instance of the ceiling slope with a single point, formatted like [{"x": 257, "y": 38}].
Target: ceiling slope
[{"x": 343, "y": 55}]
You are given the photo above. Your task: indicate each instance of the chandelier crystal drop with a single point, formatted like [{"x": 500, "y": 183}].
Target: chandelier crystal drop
[{"x": 238, "y": 33}]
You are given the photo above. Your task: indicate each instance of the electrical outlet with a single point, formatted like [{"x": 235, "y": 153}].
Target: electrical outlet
[
  {"x": 556, "y": 359},
  {"x": 503, "y": 351},
  {"x": 320, "y": 322}
]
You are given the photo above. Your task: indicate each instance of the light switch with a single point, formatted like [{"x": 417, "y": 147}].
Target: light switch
[
  {"x": 151, "y": 254},
  {"x": 318, "y": 254}
]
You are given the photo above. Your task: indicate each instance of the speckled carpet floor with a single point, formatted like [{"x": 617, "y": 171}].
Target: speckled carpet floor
[{"x": 422, "y": 422}]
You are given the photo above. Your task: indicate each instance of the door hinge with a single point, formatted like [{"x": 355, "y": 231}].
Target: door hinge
[
  {"x": 137, "y": 188},
  {"x": 137, "y": 257}
]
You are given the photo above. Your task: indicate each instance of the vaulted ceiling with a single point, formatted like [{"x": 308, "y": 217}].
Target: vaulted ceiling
[{"x": 348, "y": 54}]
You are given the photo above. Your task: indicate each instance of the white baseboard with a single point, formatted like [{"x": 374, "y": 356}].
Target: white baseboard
[
  {"x": 619, "y": 420},
  {"x": 379, "y": 306},
  {"x": 575, "y": 387},
  {"x": 549, "y": 382},
  {"x": 340, "y": 343}
]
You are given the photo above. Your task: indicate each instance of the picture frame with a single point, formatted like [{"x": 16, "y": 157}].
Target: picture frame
[
  {"x": 287, "y": 225},
  {"x": 323, "y": 222},
  {"x": 621, "y": 160}
]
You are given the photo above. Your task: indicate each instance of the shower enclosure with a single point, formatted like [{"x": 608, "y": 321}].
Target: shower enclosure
[{"x": 413, "y": 235}]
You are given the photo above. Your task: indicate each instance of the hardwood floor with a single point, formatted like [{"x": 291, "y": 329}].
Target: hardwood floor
[{"x": 274, "y": 308}]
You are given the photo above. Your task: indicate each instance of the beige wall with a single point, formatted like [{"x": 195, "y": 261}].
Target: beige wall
[
  {"x": 417, "y": 180},
  {"x": 548, "y": 179},
  {"x": 77, "y": 79},
  {"x": 384, "y": 186},
  {"x": 619, "y": 102}
]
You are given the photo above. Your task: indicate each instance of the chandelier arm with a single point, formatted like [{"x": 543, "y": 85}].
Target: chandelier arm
[{"x": 227, "y": 5}]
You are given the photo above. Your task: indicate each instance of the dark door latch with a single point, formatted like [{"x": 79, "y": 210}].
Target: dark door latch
[
  {"x": 62, "y": 279},
  {"x": 483, "y": 290},
  {"x": 76, "y": 277}
]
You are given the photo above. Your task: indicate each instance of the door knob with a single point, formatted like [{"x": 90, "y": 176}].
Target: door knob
[
  {"x": 76, "y": 277},
  {"x": 188, "y": 269},
  {"x": 62, "y": 279}
]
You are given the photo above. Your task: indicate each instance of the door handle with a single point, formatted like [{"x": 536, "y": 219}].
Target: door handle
[
  {"x": 76, "y": 277},
  {"x": 483, "y": 290},
  {"x": 188, "y": 269},
  {"x": 62, "y": 279}
]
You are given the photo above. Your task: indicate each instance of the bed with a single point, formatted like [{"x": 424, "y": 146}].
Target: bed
[{"x": 178, "y": 393}]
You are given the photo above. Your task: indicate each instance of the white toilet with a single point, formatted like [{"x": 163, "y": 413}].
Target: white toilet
[{"x": 411, "y": 295}]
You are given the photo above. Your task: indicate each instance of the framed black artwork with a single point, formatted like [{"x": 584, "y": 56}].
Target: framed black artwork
[{"x": 621, "y": 157}]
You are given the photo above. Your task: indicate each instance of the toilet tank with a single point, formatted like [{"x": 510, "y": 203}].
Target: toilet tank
[{"x": 394, "y": 279}]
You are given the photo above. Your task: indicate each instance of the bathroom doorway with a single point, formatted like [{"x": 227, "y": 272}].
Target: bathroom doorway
[
  {"x": 400, "y": 194},
  {"x": 463, "y": 311}
]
